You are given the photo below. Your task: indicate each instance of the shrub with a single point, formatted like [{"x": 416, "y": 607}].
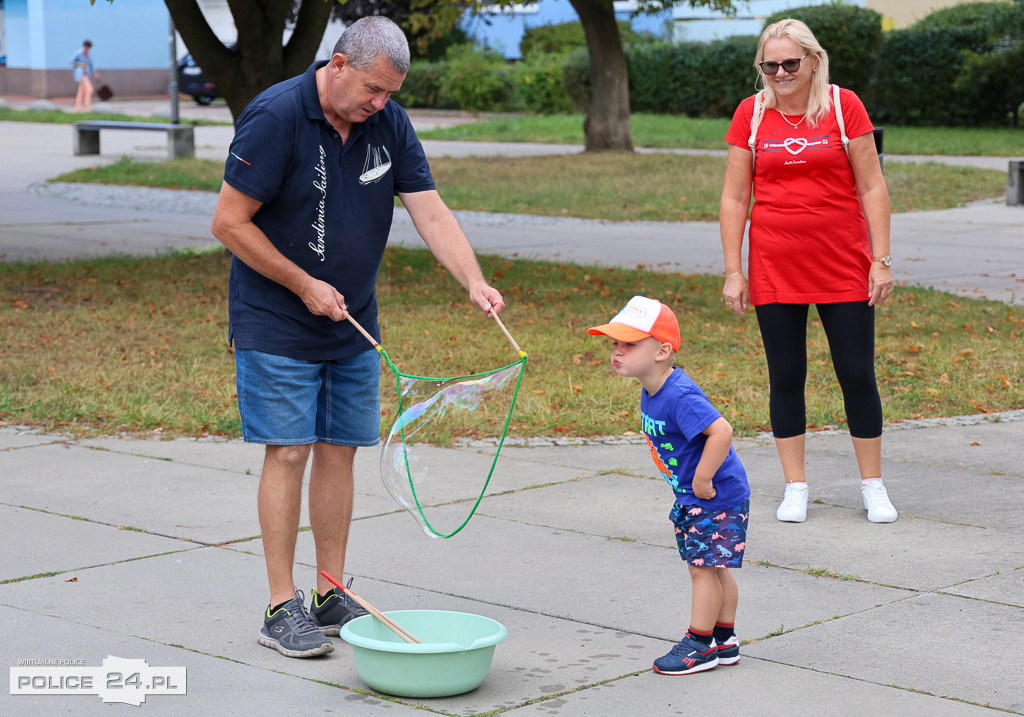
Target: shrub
[
  {"x": 687, "y": 88},
  {"x": 422, "y": 87},
  {"x": 540, "y": 85},
  {"x": 912, "y": 90},
  {"x": 475, "y": 80},
  {"x": 991, "y": 86},
  {"x": 956, "y": 66}
]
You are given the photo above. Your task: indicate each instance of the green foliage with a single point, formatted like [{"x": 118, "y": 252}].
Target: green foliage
[
  {"x": 475, "y": 80},
  {"x": 991, "y": 86},
  {"x": 686, "y": 89},
  {"x": 540, "y": 85},
  {"x": 422, "y": 87},
  {"x": 958, "y": 66},
  {"x": 568, "y": 36},
  {"x": 852, "y": 36},
  {"x": 433, "y": 50},
  {"x": 978, "y": 26}
]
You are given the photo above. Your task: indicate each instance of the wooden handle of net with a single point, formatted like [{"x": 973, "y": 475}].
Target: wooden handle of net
[{"x": 494, "y": 315}]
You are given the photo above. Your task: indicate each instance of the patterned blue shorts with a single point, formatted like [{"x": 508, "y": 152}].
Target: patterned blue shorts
[{"x": 711, "y": 538}]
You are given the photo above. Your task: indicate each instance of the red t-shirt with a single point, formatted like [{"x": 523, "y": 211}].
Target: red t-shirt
[{"x": 809, "y": 238}]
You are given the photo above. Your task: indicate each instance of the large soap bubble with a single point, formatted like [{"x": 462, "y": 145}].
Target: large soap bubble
[{"x": 417, "y": 471}]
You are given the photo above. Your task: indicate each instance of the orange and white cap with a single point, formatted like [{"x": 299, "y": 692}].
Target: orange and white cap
[{"x": 642, "y": 318}]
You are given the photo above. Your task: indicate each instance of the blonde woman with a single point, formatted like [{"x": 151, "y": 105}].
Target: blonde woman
[{"x": 819, "y": 234}]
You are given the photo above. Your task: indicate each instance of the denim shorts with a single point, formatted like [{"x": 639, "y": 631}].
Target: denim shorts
[
  {"x": 287, "y": 402},
  {"x": 711, "y": 538}
]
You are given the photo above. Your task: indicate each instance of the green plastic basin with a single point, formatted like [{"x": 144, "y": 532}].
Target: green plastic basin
[{"x": 455, "y": 656}]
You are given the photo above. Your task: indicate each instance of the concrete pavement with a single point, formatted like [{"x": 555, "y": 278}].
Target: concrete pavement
[{"x": 149, "y": 549}]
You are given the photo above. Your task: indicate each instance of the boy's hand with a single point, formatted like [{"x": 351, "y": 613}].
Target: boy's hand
[{"x": 703, "y": 489}]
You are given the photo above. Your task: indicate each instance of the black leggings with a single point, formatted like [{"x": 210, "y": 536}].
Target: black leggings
[{"x": 850, "y": 328}]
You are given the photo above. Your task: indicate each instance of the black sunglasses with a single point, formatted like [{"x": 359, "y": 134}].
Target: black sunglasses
[{"x": 791, "y": 66}]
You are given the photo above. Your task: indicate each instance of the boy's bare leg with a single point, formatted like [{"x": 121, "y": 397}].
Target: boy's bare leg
[
  {"x": 730, "y": 596},
  {"x": 707, "y": 598}
]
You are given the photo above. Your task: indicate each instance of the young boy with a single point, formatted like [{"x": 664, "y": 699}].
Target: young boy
[{"x": 691, "y": 444}]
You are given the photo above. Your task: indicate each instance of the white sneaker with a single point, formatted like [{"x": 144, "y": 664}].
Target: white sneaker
[
  {"x": 793, "y": 508},
  {"x": 876, "y": 501}
]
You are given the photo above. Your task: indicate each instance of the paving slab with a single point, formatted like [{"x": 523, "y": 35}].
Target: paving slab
[
  {"x": 852, "y": 647},
  {"x": 18, "y": 438},
  {"x": 752, "y": 687},
  {"x": 49, "y": 543},
  {"x": 990, "y": 447},
  {"x": 157, "y": 496},
  {"x": 235, "y": 456},
  {"x": 1004, "y": 587}
]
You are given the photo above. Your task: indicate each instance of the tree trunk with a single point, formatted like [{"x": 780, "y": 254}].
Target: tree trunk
[
  {"x": 259, "y": 59},
  {"x": 607, "y": 125}
]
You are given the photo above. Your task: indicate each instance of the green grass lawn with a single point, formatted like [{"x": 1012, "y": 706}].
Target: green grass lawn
[{"x": 136, "y": 345}]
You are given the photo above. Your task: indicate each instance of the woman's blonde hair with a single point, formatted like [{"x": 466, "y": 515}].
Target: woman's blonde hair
[{"x": 818, "y": 104}]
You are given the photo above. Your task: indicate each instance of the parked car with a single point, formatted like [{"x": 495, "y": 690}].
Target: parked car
[{"x": 192, "y": 81}]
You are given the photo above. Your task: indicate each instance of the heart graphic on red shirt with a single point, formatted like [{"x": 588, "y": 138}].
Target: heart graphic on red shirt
[{"x": 799, "y": 142}]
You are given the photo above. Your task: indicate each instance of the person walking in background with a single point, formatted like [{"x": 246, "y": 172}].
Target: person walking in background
[
  {"x": 819, "y": 234},
  {"x": 306, "y": 208},
  {"x": 691, "y": 444},
  {"x": 85, "y": 74}
]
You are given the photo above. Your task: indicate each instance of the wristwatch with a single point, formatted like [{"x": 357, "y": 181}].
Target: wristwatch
[{"x": 886, "y": 260}]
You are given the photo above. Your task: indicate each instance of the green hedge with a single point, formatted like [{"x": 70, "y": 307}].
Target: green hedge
[
  {"x": 958, "y": 66},
  {"x": 476, "y": 80},
  {"x": 422, "y": 87},
  {"x": 708, "y": 79},
  {"x": 539, "y": 85}
]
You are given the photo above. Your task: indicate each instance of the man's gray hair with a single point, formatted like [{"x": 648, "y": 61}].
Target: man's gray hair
[{"x": 367, "y": 38}]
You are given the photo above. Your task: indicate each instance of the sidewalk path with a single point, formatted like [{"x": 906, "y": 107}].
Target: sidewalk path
[{"x": 149, "y": 549}]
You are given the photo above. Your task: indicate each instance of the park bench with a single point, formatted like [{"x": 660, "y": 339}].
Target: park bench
[
  {"x": 1015, "y": 182},
  {"x": 180, "y": 137}
]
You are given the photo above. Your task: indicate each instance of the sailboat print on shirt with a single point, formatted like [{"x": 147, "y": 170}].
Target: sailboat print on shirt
[{"x": 374, "y": 168}]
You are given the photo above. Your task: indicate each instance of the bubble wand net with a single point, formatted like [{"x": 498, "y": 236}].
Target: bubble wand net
[{"x": 423, "y": 402}]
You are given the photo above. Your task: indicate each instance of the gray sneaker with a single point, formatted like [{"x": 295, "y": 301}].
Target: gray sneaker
[
  {"x": 290, "y": 631},
  {"x": 331, "y": 612}
]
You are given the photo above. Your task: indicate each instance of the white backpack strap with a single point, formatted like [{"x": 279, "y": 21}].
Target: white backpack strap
[
  {"x": 839, "y": 118},
  {"x": 755, "y": 122}
]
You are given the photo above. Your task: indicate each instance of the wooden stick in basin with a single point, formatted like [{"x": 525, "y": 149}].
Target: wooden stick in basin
[{"x": 388, "y": 622}]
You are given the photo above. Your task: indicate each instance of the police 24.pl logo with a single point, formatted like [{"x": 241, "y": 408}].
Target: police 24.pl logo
[{"x": 118, "y": 680}]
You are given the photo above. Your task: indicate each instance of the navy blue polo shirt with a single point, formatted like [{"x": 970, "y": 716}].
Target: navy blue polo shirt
[{"x": 327, "y": 206}]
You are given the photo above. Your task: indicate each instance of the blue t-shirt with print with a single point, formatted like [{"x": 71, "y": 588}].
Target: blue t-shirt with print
[
  {"x": 327, "y": 206},
  {"x": 674, "y": 419}
]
